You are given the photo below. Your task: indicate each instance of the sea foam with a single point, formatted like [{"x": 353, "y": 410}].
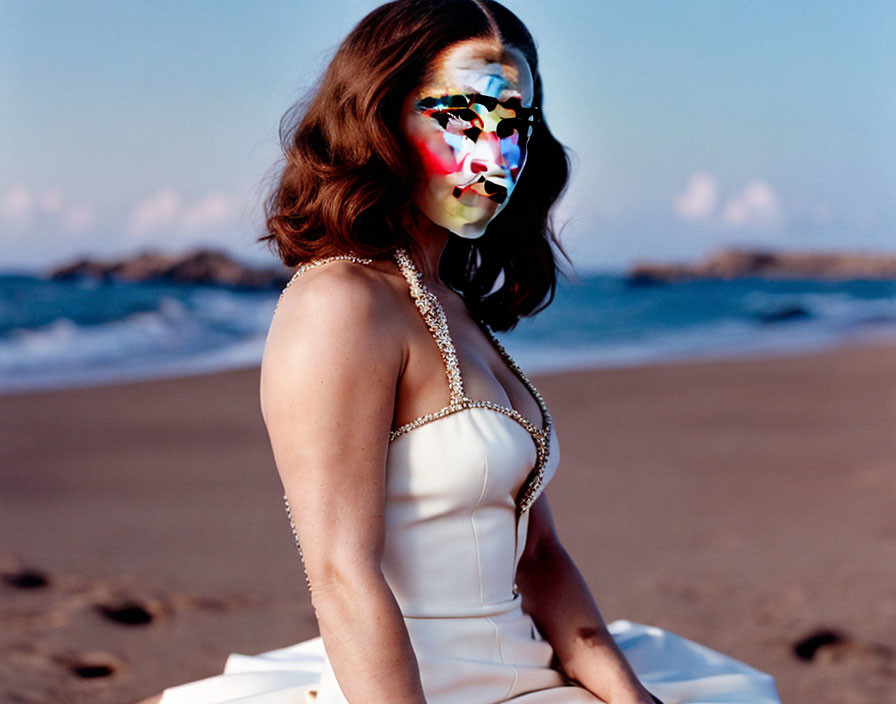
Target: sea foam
[{"x": 77, "y": 333}]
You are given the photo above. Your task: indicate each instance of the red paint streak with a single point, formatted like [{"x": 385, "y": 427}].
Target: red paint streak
[{"x": 436, "y": 156}]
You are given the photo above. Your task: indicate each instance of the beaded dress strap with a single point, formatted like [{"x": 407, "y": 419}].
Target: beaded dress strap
[
  {"x": 434, "y": 315},
  {"x": 314, "y": 263}
]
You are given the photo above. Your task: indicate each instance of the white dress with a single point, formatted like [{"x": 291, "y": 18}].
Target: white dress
[{"x": 459, "y": 483}]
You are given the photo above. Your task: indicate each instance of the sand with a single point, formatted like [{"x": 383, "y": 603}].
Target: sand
[{"x": 745, "y": 504}]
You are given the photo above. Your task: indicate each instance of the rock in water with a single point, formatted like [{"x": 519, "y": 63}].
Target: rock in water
[
  {"x": 738, "y": 263},
  {"x": 200, "y": 267}
]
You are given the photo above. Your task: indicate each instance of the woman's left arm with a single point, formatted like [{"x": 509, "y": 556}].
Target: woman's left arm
[{"x": 558, "y": 600}]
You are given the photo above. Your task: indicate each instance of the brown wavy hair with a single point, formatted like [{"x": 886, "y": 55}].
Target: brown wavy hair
[{"x": 348, "y": 181}]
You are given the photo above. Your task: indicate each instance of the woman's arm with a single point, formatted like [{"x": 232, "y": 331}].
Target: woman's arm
[
  {"x": 558, "y": 600},
  {"x": 330, "y": 371}
]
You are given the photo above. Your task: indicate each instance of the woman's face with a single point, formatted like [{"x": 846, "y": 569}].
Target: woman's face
[{"x": 469, "y": 124}]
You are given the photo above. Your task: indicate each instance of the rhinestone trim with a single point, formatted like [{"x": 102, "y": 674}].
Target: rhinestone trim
[
  {"x": 437, "y": 322},
  {"x": 313, "y": 264},
  {"x": 295, "y": 535},
  {"x": 434, "y": 315}
]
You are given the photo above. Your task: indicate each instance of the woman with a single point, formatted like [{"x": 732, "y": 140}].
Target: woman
[{"x": 415, "y": 201}]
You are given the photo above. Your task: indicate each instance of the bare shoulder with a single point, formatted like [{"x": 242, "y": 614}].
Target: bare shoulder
[
  {"x": 336, "y": 293},
  {"x": 342, "y": 314}
]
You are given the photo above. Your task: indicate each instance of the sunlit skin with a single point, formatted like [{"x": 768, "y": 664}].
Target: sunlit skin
[{"x": 468, "y": 124}]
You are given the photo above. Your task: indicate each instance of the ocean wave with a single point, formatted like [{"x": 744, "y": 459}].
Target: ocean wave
[
  {"x": 194, "y": 330},
  {"x": 57, "y": 334}
]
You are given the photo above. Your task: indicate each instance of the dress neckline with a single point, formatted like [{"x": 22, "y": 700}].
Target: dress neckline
[{"x": 433, "y": 314}]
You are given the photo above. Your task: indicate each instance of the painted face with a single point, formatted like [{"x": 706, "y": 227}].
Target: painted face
[{"x": 470, "y": 125}]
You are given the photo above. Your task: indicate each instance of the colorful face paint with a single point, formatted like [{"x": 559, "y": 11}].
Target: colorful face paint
[{"x": 470, "y": 127}]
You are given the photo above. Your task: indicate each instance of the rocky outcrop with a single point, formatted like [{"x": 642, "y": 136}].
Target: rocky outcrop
[
  {"x": 198, "y": 267},
  {"x": 738, "y": 263}
]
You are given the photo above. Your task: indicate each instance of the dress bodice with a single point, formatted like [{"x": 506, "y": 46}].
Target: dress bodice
[{"x": 454, "y": 534}]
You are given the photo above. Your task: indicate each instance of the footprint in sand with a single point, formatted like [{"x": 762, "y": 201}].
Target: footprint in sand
[
  {"x": 830, "y": 645},
  {"x": 129, "y": 613},
  {"x": 92, "y": 665},
  {"x": 26, "y": 579},
  {"x": 807, "y": 648}
]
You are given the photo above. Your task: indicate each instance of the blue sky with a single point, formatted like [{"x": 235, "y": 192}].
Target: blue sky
[{"x": 129, "y": 125}]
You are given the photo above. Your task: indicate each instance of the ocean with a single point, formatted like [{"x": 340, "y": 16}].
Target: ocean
[{"x": 56, "y": 334}]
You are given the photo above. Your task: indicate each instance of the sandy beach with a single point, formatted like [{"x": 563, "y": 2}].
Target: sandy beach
[{"x": 744, "y": 504}]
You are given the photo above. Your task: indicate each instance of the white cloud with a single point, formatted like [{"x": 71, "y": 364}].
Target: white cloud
[
  {"x": 48, "y": 210},
  {"x": 211, "y": 210},
  {"x": 698, "y": 201},
  {"x": 51, "y": 201},
  {"x": 165, "y": 212},
  {"x": 17, "y": 203},
  {"x": 78, "y": 218},
  {"x": 756, "y": 205},
  {"x": 156, "y": 211}
]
